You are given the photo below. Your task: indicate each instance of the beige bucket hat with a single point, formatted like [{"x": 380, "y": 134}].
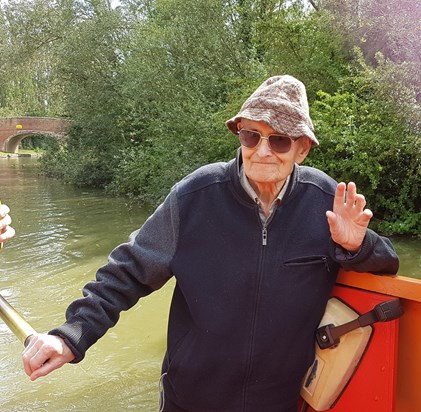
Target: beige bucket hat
[{"x": 281, "y": 102}]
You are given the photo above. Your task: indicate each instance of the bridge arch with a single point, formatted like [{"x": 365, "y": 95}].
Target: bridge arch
[
  {"x": 11, "y": 144},
  {"x": 14, "y": 129}
]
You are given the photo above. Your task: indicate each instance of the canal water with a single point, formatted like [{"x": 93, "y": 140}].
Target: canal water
[{"x": 63, "y": 234}]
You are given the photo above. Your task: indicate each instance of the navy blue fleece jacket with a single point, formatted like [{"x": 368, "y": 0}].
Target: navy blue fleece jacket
[{"x": 244, "y": 313}]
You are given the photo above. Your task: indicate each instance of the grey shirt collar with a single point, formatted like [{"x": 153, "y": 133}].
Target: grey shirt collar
[{"x": 250, "y": 191}]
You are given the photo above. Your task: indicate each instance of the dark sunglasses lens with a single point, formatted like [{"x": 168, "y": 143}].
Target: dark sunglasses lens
[
  {"x": 249, "y": 138},
  {"x": 280, "y": 144}
]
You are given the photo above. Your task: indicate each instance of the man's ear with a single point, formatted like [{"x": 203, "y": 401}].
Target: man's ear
[{"x": 305, "y": 146}]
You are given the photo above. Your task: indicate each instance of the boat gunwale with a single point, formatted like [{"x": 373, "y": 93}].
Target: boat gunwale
[{"x": 393, "y": 285}]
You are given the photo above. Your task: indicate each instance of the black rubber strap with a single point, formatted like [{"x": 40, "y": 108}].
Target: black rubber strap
[{"x": 328, "y": 336}]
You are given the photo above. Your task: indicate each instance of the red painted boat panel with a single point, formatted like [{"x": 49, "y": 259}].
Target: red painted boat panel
[{"x": 373, "y": 386}]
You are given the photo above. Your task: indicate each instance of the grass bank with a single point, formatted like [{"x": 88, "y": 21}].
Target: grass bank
[{"x": 22, "y": 153}]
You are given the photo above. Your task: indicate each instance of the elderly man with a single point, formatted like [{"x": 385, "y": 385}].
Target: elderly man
[{"x": 255, "y": 246}]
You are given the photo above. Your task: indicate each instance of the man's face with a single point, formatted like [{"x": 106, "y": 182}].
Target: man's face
[{"x": 264, "y": 166}]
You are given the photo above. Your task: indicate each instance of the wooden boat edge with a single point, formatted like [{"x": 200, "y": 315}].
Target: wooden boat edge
[{"x": 408, "y": 395}]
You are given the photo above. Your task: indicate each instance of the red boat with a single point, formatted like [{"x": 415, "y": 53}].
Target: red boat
[{"x": 386, "y": 376}]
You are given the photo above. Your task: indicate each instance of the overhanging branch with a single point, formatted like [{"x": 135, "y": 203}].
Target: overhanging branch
[{"x": 314, "y": 4}]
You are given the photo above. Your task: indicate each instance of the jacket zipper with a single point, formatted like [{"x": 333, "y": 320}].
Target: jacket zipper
[
  {"x": 264, "y": 235},
  {"x": 254, "y": 320},
  {"x": 324, "y": 258},
  {"x": 265, "y": 225},
  {"x": 249, "y": 368},
  {"x": 309, "y": 261}
]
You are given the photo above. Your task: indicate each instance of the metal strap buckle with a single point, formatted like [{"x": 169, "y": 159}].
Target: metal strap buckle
[{"x": 324, "y": 337}]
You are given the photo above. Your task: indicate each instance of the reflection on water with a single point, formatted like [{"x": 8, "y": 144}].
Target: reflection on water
[{"x": 63, "y": 235}]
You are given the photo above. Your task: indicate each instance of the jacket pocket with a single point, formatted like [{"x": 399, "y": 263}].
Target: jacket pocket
[
  {"x": 308, "y": 261},
  {"x": 180, "y": 351}
]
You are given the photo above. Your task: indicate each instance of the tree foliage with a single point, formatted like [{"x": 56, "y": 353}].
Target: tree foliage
[
  {"x": 149, "y": 84},
  {"x": 387, "y": 169}
]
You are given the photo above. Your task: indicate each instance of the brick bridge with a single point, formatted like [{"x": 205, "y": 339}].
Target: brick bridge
[{"x": 15, "y": 129}]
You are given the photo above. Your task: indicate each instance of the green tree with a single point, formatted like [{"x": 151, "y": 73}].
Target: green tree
[
  {"x": 29, "y": 33},
  {"x": 293, "y": 40},
  {"x": 366, "y": 141},
  {"x": 176, "y": 79},
  {"x": 88, "y": 67}
]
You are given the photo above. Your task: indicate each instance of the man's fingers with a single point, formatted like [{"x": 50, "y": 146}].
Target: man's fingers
[
  {"x": 7, "y": 234},
  {"x": 351, "y": 193},
  {"x": 46, "y": 368},
  {"x": 339, "y": 199},
  {"x": 360, "y": 202},
  {"x": 4, "y": 210},
  {"x": 5, "y": 220},
  {"x": 38, "y": 360},
  {"x": 4, "y": 223},
  {"x": 367, "y": 215},
  {"x": 27, "y": 367},
  {"x": 44, "y": 354},
  {"x": 346, "y": 195},
  {"x": 27, "y": 355},
  {"x": 33, "y": 361},
  {"x": 35, "y": 355},
  {"x": 331, "y": 217}
]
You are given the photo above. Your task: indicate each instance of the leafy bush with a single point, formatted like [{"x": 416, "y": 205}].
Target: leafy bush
[{"x": 364, "y": 141}]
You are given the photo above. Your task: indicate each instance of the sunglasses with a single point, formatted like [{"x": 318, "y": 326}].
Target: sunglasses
[{"x": 278, "y": 143}]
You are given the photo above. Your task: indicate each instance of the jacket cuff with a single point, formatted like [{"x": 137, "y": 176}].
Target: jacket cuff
[{"x": 69, "y": 334}]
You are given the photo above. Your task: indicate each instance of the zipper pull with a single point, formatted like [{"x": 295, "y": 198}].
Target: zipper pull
[
  {"x": 264, "y": 236},
  {"x": 324, "y": 258}
]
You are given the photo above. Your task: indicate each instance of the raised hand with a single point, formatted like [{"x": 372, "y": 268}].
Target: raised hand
[{"x": 349, "y": 220}]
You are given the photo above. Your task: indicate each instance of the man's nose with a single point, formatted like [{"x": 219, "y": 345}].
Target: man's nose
[{"x": 263, "y": 148}]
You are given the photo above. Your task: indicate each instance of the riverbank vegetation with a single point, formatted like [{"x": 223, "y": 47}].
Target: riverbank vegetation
[{"x": 148, "y": 85}]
